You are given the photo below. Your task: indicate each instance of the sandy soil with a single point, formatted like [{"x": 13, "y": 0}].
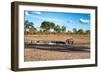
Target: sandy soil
[
  {"x": 38, "y": 54},
  {"x": 43, "y": 54},
  {"x": 83, "y": 38}
]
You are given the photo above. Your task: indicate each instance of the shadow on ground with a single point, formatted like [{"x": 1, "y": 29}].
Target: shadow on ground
[{"x": 60, "y": 48}]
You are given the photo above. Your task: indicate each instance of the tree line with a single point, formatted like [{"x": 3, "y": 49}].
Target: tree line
[{"x": 47, "y": 26}]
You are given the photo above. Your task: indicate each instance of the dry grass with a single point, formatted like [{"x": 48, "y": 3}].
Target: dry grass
[{"x": 34, "y": 54}]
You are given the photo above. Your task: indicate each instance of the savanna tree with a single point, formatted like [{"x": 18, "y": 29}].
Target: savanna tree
[
  {"x": 74, "y": 30},
  {"x": 87, "y": 31},
  {"x": 63, "y": 29},
  {"x": 80, "y": 31},
  {"x": 29, "y": 26},
  {"x": 46, "y": 26},
  {"x": 57, "y": 28}
]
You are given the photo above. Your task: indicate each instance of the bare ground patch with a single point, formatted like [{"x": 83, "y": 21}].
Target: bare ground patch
[
  {"x": 38, "y": 54},
  {"x": 44, "y": 54}
]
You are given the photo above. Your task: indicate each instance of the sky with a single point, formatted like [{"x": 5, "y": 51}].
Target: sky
[{"x": 69, "y": 20}]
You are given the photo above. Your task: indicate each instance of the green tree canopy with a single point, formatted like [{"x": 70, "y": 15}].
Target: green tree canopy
[
  {"x": 87, "y": 31},
  {"x": 46, "y": 26},
  {"x": 57, "y": 28},
  {"x": 74, "y": 30},
  {"x": 80, "y": 31},
  {"x": 29, "y": 26},
  {"x": 63, "y": 29}
]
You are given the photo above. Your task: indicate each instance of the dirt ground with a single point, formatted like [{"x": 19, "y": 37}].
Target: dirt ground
[{"x": 79, "y": 50}]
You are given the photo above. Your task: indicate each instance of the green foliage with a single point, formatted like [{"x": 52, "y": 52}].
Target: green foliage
[
  {"x": 52, "y": 25},
  {"x": 74, "y": 30},
  {"x": 57, "y": 28},
  {"x": 29, "y": 26},
  {"x": 80, "y": 31},
  {"x": 46, "y": 26},
  {"x": 63, "y": 29},
  {"x": 69, "y": 31},
  {"x": 87, "y": 31}
]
